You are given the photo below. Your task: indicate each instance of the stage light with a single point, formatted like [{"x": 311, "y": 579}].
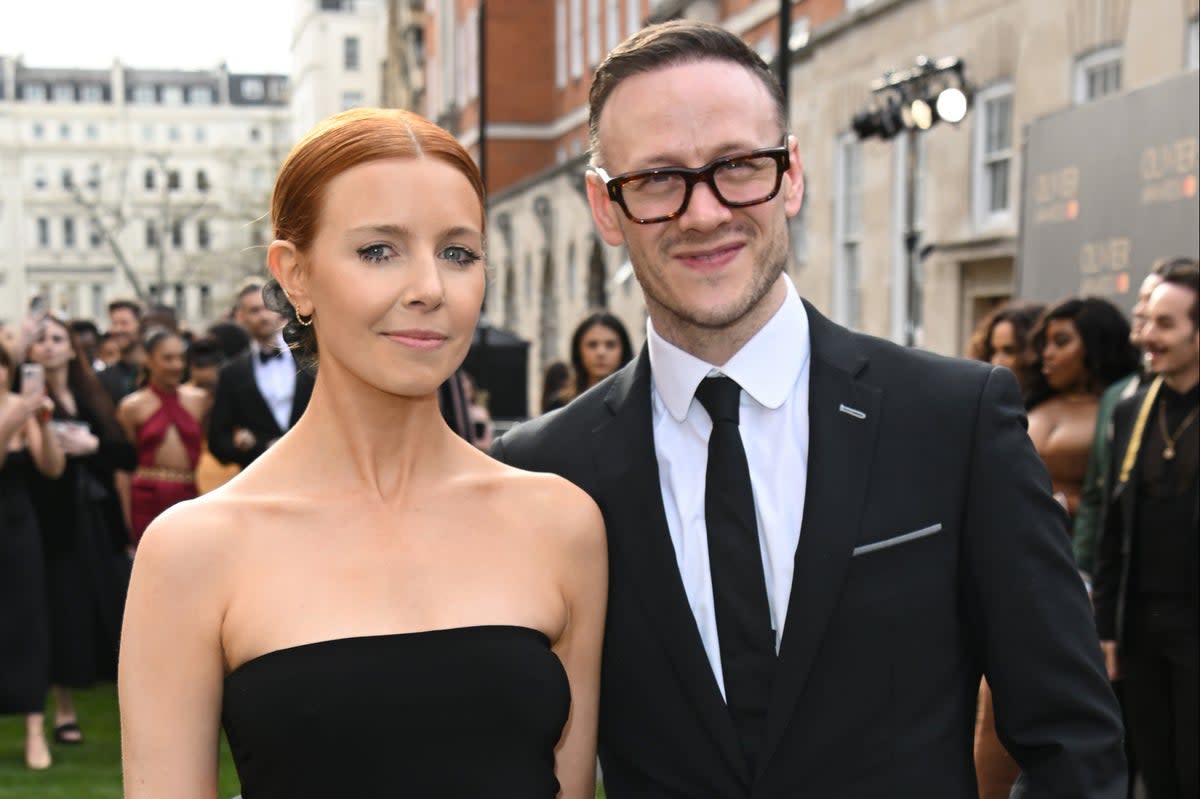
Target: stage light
[
  {"x": 952, "y": 105},
  {"x": 921, "y": 114}
]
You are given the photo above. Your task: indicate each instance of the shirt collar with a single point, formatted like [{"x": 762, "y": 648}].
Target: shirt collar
[
  {"x": 766, "y": 367},
  {"x": 280, "y": 345}
]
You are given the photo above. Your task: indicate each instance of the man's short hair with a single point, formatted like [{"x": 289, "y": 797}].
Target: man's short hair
[
  {"x": 133, "y": 306},
  {"x": 1186, "y": 272},
  {"x": 250, "y": 285},
  {"x": 669, "y": 44}
]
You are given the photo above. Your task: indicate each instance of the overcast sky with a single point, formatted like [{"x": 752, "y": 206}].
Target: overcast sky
[{"x": 249, "y": 35}]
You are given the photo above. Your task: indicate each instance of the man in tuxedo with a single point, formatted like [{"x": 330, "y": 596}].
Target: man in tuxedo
[
  {"x": 124, "y": 327},
  {"x": 818, "y": 541},
  {"x": 1148, "y": 580},
  {"x": 260, "y": 393}
]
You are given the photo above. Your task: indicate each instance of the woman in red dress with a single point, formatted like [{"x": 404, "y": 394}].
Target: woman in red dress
[{"x": 164, "y": 419}]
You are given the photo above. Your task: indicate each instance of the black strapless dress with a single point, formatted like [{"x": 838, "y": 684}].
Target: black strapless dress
[{"x": 462, "y": 713}]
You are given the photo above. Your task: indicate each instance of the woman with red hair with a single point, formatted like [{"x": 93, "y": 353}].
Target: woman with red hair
[{"x": 370, "y": 608}]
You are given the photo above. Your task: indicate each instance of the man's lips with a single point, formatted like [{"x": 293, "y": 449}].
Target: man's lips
[
  {"x": 416, "y": 339},
  {"x": 710, "y": 257}
]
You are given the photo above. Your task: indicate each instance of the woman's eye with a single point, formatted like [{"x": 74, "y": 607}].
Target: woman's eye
[
  {"x": 460, "y": 255},
  {"x": 375, "y": 253}
]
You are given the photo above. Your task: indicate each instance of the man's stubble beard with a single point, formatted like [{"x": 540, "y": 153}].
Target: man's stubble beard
[{"x": 775, "y": 256}]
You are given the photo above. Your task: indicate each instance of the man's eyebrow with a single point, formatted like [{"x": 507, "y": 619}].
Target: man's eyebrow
[{"x": 665, "y": 161}]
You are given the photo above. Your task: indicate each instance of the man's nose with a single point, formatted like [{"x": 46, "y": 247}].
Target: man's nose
[{"x": 705, "y": 209}]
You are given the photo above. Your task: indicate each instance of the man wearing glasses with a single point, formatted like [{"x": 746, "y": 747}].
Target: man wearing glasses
[{"x": 817, "y": 540}]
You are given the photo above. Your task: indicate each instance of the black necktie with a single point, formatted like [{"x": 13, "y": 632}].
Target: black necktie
[
  {"x": 739, "y": 588},
  {"x": 267, "y": 355}
]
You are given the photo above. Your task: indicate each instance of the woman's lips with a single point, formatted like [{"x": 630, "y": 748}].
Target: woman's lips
[{"x": 417, "y": 339}]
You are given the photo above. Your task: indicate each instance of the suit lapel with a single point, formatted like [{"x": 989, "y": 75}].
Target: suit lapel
[
  {"x": 640, "y": 539},
  {"x": 841, "y": 449}
]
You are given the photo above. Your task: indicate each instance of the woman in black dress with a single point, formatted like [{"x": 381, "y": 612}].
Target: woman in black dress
[
  {"x": 374, "y": 607},
  {"x": 26, "y": 445},
  {"x": 84, "y": 535}
]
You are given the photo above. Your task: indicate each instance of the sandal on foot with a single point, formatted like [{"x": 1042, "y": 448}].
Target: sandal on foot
[{"x": 68, "y": 733}]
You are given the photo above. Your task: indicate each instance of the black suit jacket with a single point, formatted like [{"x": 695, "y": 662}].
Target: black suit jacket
[
  {"x": 883, "y": 647},
  {"x": 1114, "y": 556},
  {"x": 239, "y": 403}
]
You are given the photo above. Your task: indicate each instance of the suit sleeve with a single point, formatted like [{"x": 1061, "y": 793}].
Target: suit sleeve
[
  {"x": 1055, "y": 710},
  {"x": 221, "y": 423}
]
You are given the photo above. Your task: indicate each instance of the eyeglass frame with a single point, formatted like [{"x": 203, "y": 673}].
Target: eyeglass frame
[{"x": 691, "y": 176}]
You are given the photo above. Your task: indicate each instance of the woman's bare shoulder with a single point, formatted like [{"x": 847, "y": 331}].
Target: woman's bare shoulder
[
  {"x": 552, "y": 503},
  {"x": 195, "y": 536}
]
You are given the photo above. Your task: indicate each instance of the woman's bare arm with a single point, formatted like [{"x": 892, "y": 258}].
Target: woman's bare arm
[
  {"x": 172, "y": 666},
  {"x": 584, "y": 581}
]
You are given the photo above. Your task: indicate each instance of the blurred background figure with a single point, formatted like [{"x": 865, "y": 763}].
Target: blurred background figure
[
  {"x": 88, "y": 336},
  {"x": 108, "y": 351},
  {"x": 125, "y": 328},
  {"x": 206, "y": 356},
  {"x": 26, "y": 446},
  {"x": 260, "y": 393},
  {"x": 599, "y": 347},
  {"x": 480, "y": 418},
  {"x": 1148, "y": 572},
  {"x": 84, "y": 536},
  {"x": 1082, "y": 347},
  {"x": 9, "y": 334},
  {"x": 557, "y": 388},
  {"x": 164, "y": 420},
  {"x": 232, "y": 339},
  {"x": 1003, "y": 338}
]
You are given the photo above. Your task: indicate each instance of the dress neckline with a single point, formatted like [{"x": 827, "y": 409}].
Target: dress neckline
[{"x": 354, "y": 639}]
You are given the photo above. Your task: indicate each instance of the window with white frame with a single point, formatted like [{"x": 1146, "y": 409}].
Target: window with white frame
[
  {"x": 33, "y": 92},
  {"x": 172, "y": 95},
  {"x": 39, "y": 177},
  {"x": 992, "y": 177},
  {"x": 460, "y": 62},
  {"x": 95, "y": 236},
  {"x": 560, "y": 43},
  {"x": 43, "y": 232},
  {"x": 351, "y": 100},
  {"x": 576, "y": 25},
  {"x": 848, "y": 231},
  {"x": 64, "y": 93},
  {"x": 1192, "y": 56},
  {"x": 593, "y": 32},
  {"x": 633, "y": 16},
  {"x": 64, "y": 131},
  {"x": 200, "y": 95},
  {"x": 92, "y": 132},
  {"x": 91, "y": 93},
  {"x": 144, "y": 94},
  {"x": 350, "y": 54},
  {"x": 472, "y": 48},
  {"x": 612, "y": 24},
  {"x": 253, "y": 89},
  {"x": 1097, "y": 74},
  {"x": 68, "y": 232}
]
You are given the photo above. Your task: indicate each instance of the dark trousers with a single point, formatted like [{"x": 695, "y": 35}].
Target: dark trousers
[{"x": 1160, "y": 673}]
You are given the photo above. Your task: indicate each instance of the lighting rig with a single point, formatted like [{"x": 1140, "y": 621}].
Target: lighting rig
[{"x": 916, "y": 98}]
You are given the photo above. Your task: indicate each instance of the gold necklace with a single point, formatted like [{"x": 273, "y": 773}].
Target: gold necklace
[{"x": 1169, "y": 448}]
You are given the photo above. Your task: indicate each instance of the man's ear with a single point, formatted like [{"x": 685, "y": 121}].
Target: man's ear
[
  {"x": 604, "y": 210},
  {"x": 793, "y": 179},
  {"x": 286, "y": 266}
]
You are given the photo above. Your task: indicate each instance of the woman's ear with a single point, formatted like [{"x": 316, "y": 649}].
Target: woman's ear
[{"x": 286, "y": 266}]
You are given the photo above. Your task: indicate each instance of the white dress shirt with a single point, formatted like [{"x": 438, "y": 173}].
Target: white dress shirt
[
  {"x": 276, "y": 380},
  {"x": 773, "y": 371}
]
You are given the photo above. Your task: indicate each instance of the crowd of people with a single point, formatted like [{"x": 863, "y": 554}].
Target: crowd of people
[
  {"x": 1085, "y": 371},
  {"x": 765, "y": 556},
  {"x": 99, "y": 434}
]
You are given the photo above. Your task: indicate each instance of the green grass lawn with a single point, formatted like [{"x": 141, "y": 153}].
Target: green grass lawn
[{"x": 90, "y": 771}]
